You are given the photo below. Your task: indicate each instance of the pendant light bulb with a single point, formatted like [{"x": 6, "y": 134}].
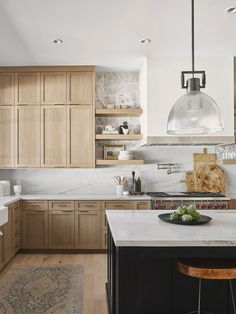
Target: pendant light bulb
[{"x": 195, "y": 113}]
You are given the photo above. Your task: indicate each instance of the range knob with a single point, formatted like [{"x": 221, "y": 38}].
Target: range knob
[
  {"x": 197, "y": 205},
  {"x": 204, "y": 205},
  {"x": 163, "y": 206},
  {"x": 223, "y": 205},
  {"x": 173, "y": 206},
  {"x": 157, "y": 206},
  {"x": 217, "y": 206},
  {"x": 210, "y": 205}
]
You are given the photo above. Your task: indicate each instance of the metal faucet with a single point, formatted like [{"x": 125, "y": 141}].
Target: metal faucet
[{"x": 169, "y": 167}]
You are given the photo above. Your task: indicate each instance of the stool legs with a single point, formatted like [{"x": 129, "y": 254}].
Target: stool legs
[
  {"x": 199, "y": 296},
  {"x": 232, "y": 295}
]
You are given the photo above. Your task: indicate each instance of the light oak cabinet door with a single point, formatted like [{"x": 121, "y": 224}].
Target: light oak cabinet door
[
  {"x": 87, "y": 229},
  {"x": 34, "y": 229},
  {"x": 81, "y": 143},
  {"x": 28, "y": 141},
  {"x": 7, "y": 89},
  {"x": 6, "y": 136},
  {"x": 27, "y": 88},
  {"x": 53, "y": 136},
  {"x": 16, "y": 227},
  {"x": 61, "y": 229},
  {"x": 8, "y": 242},
  {"x": 1, "y": 247},
  {"x": 143, "y": 205},
  {"x": 53, "y": 88},
  {"x": 80, "y": 88}
]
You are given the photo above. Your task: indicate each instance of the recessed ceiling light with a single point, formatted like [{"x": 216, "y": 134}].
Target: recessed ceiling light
[
  {"x": 145, "y": 41},
  {"x": 57, "y": 41},
  {"x": 231, "y": 10}
]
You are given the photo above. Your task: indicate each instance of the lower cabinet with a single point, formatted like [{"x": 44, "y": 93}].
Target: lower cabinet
[
  {"x": 61, "y": 229},
  {"x": 1, "y": 247},
  {"x": 87, "y": 229},
  {"x": 34, "y": 225},
  {"x": 8, "y": 239}
]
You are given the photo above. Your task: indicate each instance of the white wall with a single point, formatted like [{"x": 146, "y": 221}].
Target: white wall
[{"x": 164, "y": 88}]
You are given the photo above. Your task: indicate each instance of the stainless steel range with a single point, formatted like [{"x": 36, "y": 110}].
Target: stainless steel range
[{"x": 203, "y": 200}]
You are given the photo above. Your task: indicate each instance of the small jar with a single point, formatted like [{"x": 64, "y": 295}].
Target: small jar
[{"x": 119, "y": 189}]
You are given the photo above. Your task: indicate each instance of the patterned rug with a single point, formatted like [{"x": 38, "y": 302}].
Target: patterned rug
[{"x": 44, "y": 289}]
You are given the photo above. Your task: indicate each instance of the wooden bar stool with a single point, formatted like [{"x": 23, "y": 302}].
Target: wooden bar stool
[{"x": 215, "y": 269}]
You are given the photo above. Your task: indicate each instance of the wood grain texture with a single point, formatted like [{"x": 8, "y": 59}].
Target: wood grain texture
[
  {"x": 53, "y": 88},
  {"x": 27, "y": 88},
  {"x": 7, "y": 89},
  {"x": 7, "y": 129},
  {"x": 80, "y": 88},
  {"x": 222, "y": 269},
  {"x": 28, "y": 148}
]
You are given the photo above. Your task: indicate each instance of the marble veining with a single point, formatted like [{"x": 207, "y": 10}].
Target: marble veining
[{"x": 144, "y": 228}]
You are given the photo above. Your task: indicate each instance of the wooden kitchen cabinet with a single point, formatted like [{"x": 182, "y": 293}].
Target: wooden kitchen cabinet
[
  {"x": 232, "y": 204},
  {"x": 61, "y": 229},
  {"x": 87, "y": 225},
  {"x": 7, "y": 89},
  {"x": 80, "y": 88},
  {"x": 8, "y": 238},
  {"x": 16, "y": 227},
  {"x": 1, "y": 247},
  {"x": 34, "y": 225},
  {"x": 143, "y": 205},
  {"x": 6, "y": 136},
  {"x": 53, "y": 88},
  {"x": 28, "y": 147},
  {"x": 27, "y": 88},
  {"x": 81, "y": 140},
  {"x": 53, "y": 136}
]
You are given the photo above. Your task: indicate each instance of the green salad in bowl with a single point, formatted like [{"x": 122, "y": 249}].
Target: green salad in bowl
[{"x": 185, "y": 214}]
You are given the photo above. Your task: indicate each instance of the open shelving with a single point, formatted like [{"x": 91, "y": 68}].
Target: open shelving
[
  {"x": 119, "y": 137},
  {"x": 103, "y": 162},
  {"x": 119, "y": 112}
]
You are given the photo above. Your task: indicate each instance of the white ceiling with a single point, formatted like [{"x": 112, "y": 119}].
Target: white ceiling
[{"x": 107, "y": 32}]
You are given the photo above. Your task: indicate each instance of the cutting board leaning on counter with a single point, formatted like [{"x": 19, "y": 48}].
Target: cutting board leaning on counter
[{"x": 207, "y": 176}]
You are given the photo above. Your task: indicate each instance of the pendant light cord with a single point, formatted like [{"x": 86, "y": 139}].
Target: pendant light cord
[{"x": 193, "y": 55}]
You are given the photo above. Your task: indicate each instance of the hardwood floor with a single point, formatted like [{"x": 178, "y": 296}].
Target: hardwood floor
[{"x": 94, "y": 275}]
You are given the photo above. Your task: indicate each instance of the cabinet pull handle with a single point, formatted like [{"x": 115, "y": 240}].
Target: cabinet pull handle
[
  {"x": 62, "y": 205},
  {"x": 67, "y": 211},
  {"x": 90, "y": 206},
  {"x": 83, "y": 211}
]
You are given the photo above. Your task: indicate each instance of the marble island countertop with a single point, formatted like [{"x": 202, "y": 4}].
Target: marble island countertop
[
  {"x": 141, "y": 228},
  {"x": 6, "y": 200}
]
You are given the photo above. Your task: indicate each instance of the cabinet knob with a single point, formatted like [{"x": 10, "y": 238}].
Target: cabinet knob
[{"x": 1, "y": 234}]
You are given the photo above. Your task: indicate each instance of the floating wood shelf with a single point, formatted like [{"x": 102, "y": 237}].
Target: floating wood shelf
[
  {"x": 119, "y": 137},
  {"x": 226, "y": 162},
  {"x": 119, "y": 112},
  {"x": 119, "y": 162}
]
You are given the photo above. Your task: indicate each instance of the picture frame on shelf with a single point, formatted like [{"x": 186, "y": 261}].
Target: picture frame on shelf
[{"x": 111, "y": 152}]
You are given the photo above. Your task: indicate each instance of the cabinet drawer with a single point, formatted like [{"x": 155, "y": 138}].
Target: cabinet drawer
[
  {"x": 143, "y": 205},
  {"x": 119, "y": 205},
  {"x": 87, "y": 206},
  {"x": 35, "y": 205},
  {"x": 61, "y": 205}
]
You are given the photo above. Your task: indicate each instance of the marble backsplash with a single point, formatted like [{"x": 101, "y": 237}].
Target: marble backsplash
[
  {"x": 101, "y": 180},
  {"x": 117, "y": 87}
]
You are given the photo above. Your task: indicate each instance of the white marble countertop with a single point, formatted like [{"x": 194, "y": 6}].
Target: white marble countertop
[
  {"x": 143, "y": 228},
  {"x": 6, "y": 200}
]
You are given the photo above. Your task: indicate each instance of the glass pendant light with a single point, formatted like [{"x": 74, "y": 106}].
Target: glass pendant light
[{"x": 194, "y": 113}]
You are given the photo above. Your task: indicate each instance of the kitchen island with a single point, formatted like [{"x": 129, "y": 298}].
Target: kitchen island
[{"x": 142, "y": 254}]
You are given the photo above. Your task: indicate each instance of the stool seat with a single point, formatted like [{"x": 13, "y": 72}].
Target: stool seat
[{"x": 203, "y": 268}]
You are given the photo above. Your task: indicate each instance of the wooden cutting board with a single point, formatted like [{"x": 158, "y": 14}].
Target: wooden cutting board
[{"x": 207, "y": 176}]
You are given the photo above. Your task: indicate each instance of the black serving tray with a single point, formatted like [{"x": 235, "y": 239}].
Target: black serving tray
[{"x": 201, "y": 221}]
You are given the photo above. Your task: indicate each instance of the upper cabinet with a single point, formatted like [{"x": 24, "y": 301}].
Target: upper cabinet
[
  {"x": 6, "y": 89},
  {"x": 80, "y": 87},
  {"x": 27, "y": 147},
  {"x": 6, "y": 136},
  {"x": 27, "y": 88},
  {"x": 53, "y": 134},
  {"x": 53, "y": 88}
]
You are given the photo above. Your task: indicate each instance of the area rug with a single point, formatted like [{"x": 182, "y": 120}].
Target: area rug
[{"x": 44, "y": 289}]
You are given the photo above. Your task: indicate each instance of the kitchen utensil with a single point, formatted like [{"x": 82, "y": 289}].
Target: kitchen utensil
[{"x": 201, "y": 221}]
